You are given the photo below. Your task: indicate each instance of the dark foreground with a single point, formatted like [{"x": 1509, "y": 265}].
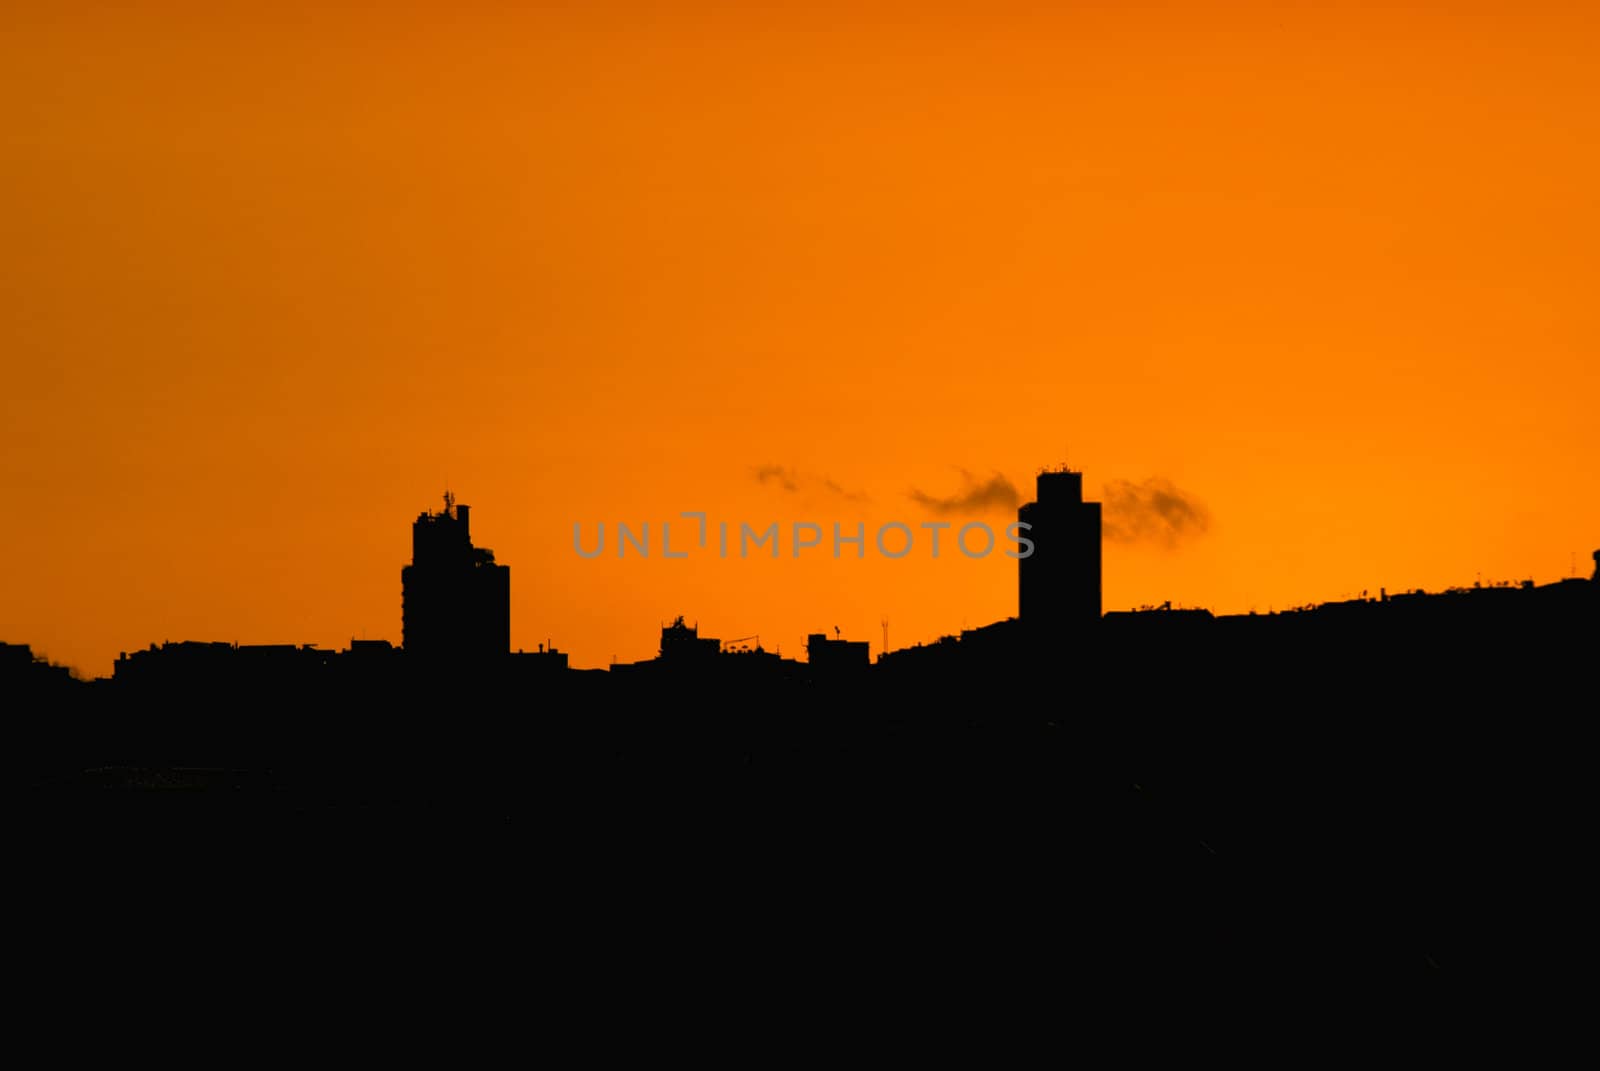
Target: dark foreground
[{"x": 1343, "y": 809}]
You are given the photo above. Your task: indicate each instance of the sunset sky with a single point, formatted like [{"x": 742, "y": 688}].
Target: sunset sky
[{"x": 272, "y": 279}]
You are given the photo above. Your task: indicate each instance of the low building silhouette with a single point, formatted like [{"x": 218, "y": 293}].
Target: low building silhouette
[
  {"x": 682, "y": 643},
  {"x": 21, "y": 668},
  {"x": 685, "y": 655},
  {"x": 545, "y": 660},
  {"x": 836, "y": 655}
]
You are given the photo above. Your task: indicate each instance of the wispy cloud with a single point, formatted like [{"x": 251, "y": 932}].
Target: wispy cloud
[
  {"x": 849, "y": 496},
  {"x": 793, "y": 481},
  {"x": 785, "y": 478},
  {"x": 1152, "y": 511},
  {"x": 975, "y": 496}
]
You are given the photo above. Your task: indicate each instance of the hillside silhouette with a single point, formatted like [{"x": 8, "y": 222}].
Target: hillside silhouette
[{"x": 1354, "y": 790}]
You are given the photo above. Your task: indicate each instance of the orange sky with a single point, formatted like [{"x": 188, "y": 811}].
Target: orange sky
[{"x": 268, "y": 281}]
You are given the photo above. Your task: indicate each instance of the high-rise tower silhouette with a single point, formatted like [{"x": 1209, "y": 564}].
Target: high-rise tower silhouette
[
  {"x": 456, "y": 601},
  {"x": 1058, "y": 585}
]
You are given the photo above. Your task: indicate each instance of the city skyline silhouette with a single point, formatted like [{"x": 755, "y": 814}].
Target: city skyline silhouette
[
  {"x": 1162, "y": 768},
  {"x": 456, "y": 599},
  {"x": 1322, "y": 274},
  {"x": 914, "y": 537},
  {"x": 334, "y": 340}
]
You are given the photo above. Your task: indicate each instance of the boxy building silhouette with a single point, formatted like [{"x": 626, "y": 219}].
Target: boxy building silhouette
[
  {"x": 1058, "y": 584},
  {"x": 456, "y": 601}
]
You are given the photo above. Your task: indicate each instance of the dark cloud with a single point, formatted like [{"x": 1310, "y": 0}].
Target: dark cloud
[
  {"x": 975, "y": 496},
  {"x": 1153, "y": 511},
  {"x": 784, "y": 478}
]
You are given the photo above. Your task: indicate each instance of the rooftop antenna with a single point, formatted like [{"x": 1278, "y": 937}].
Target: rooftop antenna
[{"x": 885, "y": 634}]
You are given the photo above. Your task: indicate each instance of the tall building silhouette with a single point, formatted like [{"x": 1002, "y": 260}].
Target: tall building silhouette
[
  {"x": 456, "y": 601},
  {"x": 1058, "y": 585}
]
